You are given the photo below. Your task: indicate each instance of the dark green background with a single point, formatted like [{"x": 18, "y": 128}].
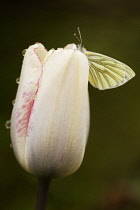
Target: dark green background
[{"x": 109, "y": 178}]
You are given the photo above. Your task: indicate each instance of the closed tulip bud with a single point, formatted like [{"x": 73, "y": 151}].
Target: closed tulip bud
[{"x": 50, "y": 118}]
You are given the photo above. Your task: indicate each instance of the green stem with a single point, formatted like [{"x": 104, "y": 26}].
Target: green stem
[{"x": 42, "y": 194}]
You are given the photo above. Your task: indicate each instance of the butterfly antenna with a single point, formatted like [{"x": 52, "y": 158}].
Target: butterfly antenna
[{"x": 79, "y": 37}]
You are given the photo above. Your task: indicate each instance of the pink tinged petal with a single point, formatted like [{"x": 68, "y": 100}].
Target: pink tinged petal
[
  {"x": 27, "y": 90},
  {"x": 58, "y": 126}
]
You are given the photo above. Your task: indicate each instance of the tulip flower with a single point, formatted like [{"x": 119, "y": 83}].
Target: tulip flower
[{"x": 50, "y": 118}]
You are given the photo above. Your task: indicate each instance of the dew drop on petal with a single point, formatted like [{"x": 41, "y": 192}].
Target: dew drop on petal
[
  {"x": 23, "y": 52},
  {"x": 18, "y": 80},
  {"x": 13, "y": 102},
  {"x": 8, "y": 124}
]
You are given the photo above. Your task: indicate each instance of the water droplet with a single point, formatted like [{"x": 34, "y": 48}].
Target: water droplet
[
  {"x": 8, "y": 124},
  {"x": 18, "y": 80},
  {"x": 13, "y": 102},
  {"x": 23, "y": 52},
  {"x": 11, "y": 145}
]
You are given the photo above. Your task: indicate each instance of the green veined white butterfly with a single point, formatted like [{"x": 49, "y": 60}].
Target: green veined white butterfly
[{"x": 105, "y": 72}]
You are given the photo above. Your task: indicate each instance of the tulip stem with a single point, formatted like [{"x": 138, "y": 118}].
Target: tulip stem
[{"x": 42, "y": 194}]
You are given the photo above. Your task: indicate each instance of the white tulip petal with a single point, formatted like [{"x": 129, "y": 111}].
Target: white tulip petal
[
  {"x": 59, "y": 122},
  {"x": 28, "y": 87},
  {"x": 71, "y": 47}
]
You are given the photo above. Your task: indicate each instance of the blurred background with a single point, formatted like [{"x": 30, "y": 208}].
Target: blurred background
[{"x": 109, "y": 177}]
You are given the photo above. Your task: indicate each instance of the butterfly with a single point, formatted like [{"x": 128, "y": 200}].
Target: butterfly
[{"x": 105, "y": 72}]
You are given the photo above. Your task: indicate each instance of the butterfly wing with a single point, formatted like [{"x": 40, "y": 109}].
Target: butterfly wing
[{"x": 106, "y": 72}]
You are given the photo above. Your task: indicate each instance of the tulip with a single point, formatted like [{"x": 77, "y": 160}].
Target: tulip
[{"x": 50, "y": 118}]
